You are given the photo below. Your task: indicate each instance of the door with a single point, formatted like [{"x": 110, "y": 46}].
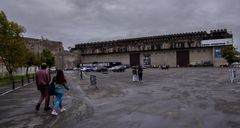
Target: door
[
  {"x": 135, "y": 59},
  {"x": 183, "y": 58}
]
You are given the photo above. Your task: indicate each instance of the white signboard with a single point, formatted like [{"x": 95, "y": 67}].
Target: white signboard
[{"x": 217, "y": 42}]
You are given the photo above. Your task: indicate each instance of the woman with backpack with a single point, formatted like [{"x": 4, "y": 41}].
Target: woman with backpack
[{"x": 60, "y": 85}]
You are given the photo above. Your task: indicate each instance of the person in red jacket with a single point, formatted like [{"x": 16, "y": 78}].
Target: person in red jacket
[{"x": 42, "y": 81}]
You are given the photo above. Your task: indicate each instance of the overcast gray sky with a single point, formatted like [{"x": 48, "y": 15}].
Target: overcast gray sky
[{"x": 80, "y": 21}]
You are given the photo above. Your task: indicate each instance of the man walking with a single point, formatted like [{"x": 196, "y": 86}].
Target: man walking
[
  {"x": 140, "y": 73},
  {"x": 42, "y": 81}
]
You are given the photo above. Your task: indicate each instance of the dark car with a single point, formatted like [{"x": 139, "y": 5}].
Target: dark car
[{"x": 100, "y": 69}]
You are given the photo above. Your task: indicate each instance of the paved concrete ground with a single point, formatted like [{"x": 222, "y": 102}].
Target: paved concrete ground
[
  {"x": 17, "y": 108},
  {"x": 174, "y": 98}
]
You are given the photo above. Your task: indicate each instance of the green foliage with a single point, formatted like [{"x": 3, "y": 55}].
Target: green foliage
[
  {"x": 230, "y": 54},
  {"x": 12, "y": 45},
  {"x": 48, "y": 57},
  {"x": 30, "y": 59}
]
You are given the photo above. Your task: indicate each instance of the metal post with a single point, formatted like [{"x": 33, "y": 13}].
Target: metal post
[
  {"x": 28, "y": 78},
  {"x": 13, "y": 87},
  {"x": 33, "y": 77},
  {"x": 81, "y": 75},
  {"x": 22, "y": 80}
]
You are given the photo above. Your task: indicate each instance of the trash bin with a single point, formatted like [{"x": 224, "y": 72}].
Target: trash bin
[{"x": 93, "y": 80}]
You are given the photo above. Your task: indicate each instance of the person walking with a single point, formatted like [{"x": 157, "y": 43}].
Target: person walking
[
  {"x": 134, "y": 74},
  {"x": 60, "y": 85},
  {"x": 51, "y": 90},
  {"x": 42, "y": 81},
  {"x": 140, "y": 73}
]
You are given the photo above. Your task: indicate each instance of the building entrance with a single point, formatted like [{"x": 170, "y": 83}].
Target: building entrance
[
  {"x": 135, "y": 59},
  {"x": 183, "y": 58}
]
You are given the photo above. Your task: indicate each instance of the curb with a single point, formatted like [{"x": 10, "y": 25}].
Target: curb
[{"x": 14, "y": 89}]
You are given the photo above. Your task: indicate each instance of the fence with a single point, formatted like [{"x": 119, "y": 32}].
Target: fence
[
  {"x": 18, "y": 71},
  {"x": 17, "y": 83}
]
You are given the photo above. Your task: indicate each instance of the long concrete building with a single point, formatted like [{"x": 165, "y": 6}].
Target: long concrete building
[{"x": 182, "y": 49}]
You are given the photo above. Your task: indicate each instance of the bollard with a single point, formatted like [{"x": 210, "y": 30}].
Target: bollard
[
  {"x": 81, "y": 75},
  {"x": 13, "y": 87},
  {"x": 28, "y": 78},
  {"x": 22, "y": 81}
]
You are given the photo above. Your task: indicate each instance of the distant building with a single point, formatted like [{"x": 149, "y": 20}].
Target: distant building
[
  {"x": 37, "y": 46},
  {"x": 182, "y": 49},
  {"x": 56, "y": 47},
  {"x": 71, "y": 59}
]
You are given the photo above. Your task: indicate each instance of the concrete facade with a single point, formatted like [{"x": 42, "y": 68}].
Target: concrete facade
[
  {"x": 123, "y": 57},
  {"x": 196, "y": 48},
  {"x": 71, "y": 59},
  {"x": 56, "y": 47},
  {"x": 196, "y": 56}
]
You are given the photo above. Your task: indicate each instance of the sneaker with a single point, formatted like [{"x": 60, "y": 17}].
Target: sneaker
[
  {"x": 54, "y": 113},
  {"x": 37, "y": 107},
  {"x": 62, "y": 110},
  {"x": 47, "y": 108}
]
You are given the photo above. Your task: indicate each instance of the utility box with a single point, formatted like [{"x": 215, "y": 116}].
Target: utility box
[{"x": 93, "y": 81}]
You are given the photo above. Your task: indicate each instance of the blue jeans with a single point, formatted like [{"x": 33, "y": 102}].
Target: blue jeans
[{"x": 59, "y": 92}]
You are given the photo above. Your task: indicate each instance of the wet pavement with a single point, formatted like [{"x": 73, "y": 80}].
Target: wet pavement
[
  {"x": 174, "y": 98},
  {"x": 17, "y": 107}
]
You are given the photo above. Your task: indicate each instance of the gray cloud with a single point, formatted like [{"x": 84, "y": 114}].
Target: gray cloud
[{"x": 76, "y": 21}]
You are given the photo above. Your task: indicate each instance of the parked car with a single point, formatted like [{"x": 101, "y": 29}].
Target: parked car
[
  {"x": 68, "y": 69},
  {"x": 164, "y": 66},
  {"x": 87, "y": 69},
  {"x": 119, "y": 68},
  {"x": 52, "y": 69},
  {"x": 100, "y": 69},
  {"x": 127, "y": 66},
  {"x": 235, "y": 65}
]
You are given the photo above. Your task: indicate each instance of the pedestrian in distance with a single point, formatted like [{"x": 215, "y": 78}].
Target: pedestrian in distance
[
  {"x": 140, "y": 73},
  {"x": 42, "y": 81},
  {"x": 134, "y": 74},
  {"x": 60, "y": 86}
]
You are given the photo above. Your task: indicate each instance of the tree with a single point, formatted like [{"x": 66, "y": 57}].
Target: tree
[
  {"x": 48, "y": 57},
  {"x": 30, "y": 59},
  {"x": 230, "y": 54},
  {"x": 12, "y": 45}
]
